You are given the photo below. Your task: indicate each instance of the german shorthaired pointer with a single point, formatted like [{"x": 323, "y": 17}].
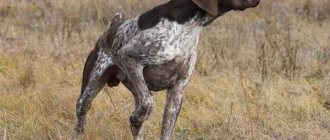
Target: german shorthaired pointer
[{"x": 152, "y": 52}]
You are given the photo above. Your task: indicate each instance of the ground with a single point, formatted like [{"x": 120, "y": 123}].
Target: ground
[{"x": 261, "y": 74}]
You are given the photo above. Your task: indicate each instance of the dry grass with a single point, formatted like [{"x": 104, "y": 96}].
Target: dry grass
[{"x": 261, "y": 74}]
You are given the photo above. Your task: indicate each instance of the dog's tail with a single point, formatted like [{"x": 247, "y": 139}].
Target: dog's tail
[{"x": 116, "y": 19}]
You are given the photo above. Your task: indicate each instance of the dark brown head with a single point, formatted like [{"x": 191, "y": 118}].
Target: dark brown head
[{"x": 216, "y": 7}]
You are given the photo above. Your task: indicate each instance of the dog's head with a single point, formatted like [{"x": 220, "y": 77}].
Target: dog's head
[{"x": 215, "y": 7}]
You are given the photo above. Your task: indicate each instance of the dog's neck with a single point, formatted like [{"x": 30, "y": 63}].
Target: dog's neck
[{"x": 180, "y": 11}]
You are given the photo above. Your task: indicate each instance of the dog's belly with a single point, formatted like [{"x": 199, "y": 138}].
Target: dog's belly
[{"x": 161, "y": 77}]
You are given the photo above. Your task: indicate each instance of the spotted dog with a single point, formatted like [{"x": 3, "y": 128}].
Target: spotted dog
[{"x": 151, "y": 52}]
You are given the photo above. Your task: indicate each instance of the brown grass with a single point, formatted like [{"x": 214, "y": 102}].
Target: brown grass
[{"x": 261, "y": 74}]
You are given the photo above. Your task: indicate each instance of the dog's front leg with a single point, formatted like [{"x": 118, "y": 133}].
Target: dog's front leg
[
  {"x": 143, "y": 98},
  {"x": 172, "y": 109},
  {"x": 174, "y": 98}
]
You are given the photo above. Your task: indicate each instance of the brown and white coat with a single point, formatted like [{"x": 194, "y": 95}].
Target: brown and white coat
[{"x": 152, "y": 52}]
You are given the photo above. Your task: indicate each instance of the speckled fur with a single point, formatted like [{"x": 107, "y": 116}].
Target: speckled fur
[
  {"x": 166, "y": 54},
  {"x": 152, "y": 52}
]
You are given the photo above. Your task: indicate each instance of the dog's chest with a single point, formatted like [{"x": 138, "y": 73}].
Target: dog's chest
[
  {"x": 169, "y": 40},
  {"x": 173, "y": 46}
]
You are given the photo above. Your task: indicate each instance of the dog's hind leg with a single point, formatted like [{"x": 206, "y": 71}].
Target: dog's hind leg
[{"x": 96, "y": 74}]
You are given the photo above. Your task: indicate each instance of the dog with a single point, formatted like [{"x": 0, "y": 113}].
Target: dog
[{"x": 151, "y": 52}]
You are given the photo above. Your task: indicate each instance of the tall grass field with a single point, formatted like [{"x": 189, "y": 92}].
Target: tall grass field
[{"x": 262, "y": 74}]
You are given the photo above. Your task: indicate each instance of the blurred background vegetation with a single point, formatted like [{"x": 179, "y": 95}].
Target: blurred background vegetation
[{"x": 262, "y": 74}]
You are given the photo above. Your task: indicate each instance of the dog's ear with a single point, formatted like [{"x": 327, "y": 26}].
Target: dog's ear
[{"x": 210, "y": 6}]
